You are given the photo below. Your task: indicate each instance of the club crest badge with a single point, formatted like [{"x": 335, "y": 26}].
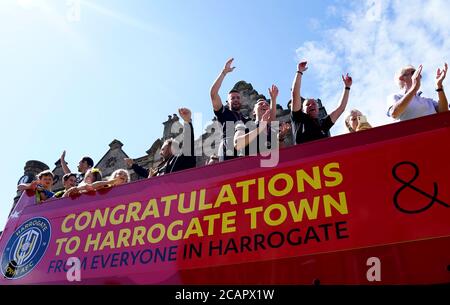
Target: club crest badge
[{"x": 25, "y": 248}]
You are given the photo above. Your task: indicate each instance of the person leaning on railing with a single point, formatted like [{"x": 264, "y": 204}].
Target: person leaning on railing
[
  {"x": 69, "y": 181},
  {"x": 42, "y": 186}
]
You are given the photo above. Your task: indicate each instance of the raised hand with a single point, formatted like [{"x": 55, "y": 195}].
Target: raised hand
[
  {"x": 227, "y": 68},
  {"x": 416, "y": 78},
  {"x": 185, "y": 114},
  {"x": 273, "y": 92},
  {"x": 301, "y": 67},
  {"x": 128, "y": 161},
  {"x": 440, "y": 75},
  {"x": 347, "y": 80},
  {"x": 63, "y": 156}
]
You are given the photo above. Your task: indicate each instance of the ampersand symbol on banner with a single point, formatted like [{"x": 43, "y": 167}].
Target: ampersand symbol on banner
[{"x": 408, "y": 184}]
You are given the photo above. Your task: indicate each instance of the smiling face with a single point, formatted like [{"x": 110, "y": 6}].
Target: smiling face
[
  {"x": 260, "y": 108},
  {"x": 354, "y": 118},
  {"x": 46, "y": 181},
  {"x": 234, "y": 101},
  {"x": 89, "y": 178},
  {"x": 121, "y": 177},
  {"x": 70, "y": 182},
  {"x": 405, "y": 77},
  {"x": 311, "y": 108}
]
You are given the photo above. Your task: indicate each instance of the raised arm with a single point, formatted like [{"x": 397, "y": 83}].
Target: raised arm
[
  {"x": 399, "y": 107},
  {"x": 440, "y": 76},
  {"x": 215, "y": 98},
  {"x": 188, "y": 132},
  {"x": 273, "y": 92},
  {"x": 335, "y": 114},
  {"x": 296, "y": 104},
  {"x": 64, "y": 166}
]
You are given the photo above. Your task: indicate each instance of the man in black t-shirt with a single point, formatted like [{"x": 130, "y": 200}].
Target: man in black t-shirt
[
  {"x": 305, "y": 115},
  {"x": 230, "y": 113}
]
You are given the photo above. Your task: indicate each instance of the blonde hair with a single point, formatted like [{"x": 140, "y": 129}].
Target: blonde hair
[
  {"x": 120, "y": 170},
  {"x": 349, "y": 116},
  {"x": 401, "y": 73}
]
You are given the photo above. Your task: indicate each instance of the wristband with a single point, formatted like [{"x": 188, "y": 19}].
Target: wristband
[
  {"x": 439, "y": 89},
  {"x": 300, "y": 72},
  {"x": 347, "y": 88}
]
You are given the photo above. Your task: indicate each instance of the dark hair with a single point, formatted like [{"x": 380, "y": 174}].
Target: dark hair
[
  {"x": 88, "y": 160},
  {"x": 67, "y": 176},
  {"x": 233, "y": 91}
]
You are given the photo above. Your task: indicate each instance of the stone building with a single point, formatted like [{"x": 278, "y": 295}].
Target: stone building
[{"x": 114, "y": 158}]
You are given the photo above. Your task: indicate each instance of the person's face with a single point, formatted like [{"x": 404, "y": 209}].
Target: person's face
[
  {"x": 122, "y": 177},
  {"x": 83, "y": 166},
  {"x": 47, "y": 181},
  {"x": 311, "y": 108},
  {"x": 234, "y": 100},
  {"x": 354, "y": 119},
  {"x": 260, "y": 108},
  {"x": 166, "y": 151},
  {"x": 89, "y": 178},
  {"x": 71, "y": 182},
  {"x": 407, "y": 77}
]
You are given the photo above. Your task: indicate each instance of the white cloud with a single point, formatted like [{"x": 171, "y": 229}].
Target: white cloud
[{"x": 374, "y": 40}]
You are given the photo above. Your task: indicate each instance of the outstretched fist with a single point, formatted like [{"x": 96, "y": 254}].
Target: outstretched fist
[
  {"x": 185, "y": 114},
  {"x": 347, "y": 80},
  {"x": 301, "y": 67}
]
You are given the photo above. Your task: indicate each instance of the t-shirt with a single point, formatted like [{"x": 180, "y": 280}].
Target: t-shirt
[
  {"x": 419, "y": 106},
  {"x": 223, "y": 115},
  {"x": 306, "y": 128},
  {"x": 80, "y": 178}
]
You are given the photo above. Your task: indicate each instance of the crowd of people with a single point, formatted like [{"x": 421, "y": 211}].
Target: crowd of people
[{"x": 242, "y": 136}]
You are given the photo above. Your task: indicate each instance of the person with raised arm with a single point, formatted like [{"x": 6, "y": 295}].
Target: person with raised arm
[
  {"x": 84, "y": 165},
  {"x": 227, "y": 115},
  {"x": 248, "y": 142},
  {"x": 409, "y": 104},
  {"x": 305, "y": 115},
  {"x": 172, "y": 159}
]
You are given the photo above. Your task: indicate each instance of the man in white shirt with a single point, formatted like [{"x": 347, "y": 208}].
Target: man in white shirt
[{"x": 409, "y": 104}]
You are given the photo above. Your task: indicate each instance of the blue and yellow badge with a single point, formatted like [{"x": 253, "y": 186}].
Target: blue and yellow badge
[{"x": 25, "y": 248}]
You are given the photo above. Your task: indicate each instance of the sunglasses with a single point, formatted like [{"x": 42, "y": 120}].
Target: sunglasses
[{"x": 411, "y": 72}]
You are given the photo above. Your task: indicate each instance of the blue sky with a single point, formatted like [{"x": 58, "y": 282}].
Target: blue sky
[{"x": 118, "y": 71}]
